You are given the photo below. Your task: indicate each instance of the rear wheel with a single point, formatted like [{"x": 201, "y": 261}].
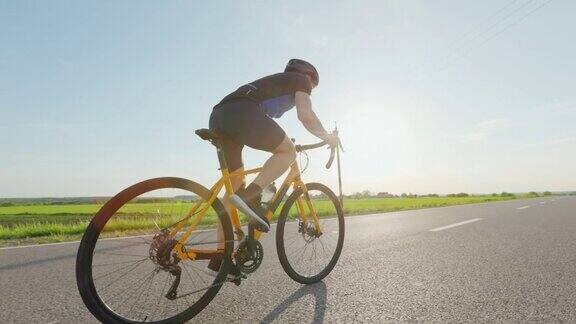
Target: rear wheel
[
  {"x": 126, "y": 268},
  {"x": 307, "y": 255}
]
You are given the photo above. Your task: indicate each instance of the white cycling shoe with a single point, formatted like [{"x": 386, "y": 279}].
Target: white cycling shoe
[{"x": 253, "y": 211}]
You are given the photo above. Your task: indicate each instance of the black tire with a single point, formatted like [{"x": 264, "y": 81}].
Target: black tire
[
  {"x": 84, "y": 276},
  {"x": 281, "y": 235}
]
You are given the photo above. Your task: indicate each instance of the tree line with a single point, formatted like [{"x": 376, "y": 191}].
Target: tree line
[{"x": 385, "y": 194}]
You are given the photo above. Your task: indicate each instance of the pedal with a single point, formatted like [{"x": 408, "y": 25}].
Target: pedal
[
  {"x": 238, "y": 275},
  {"x": 257, "y": 226},
  {"x": 262, "y": 229}
]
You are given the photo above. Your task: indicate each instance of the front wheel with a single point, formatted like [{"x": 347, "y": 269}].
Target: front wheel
[{"x": 306, "y": 254}]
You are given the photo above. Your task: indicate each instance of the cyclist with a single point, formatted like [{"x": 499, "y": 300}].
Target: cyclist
[{"x": 244, "y": 117}]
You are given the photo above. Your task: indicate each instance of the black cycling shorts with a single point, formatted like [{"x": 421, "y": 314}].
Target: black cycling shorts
[{"x": 243, "y": 123}]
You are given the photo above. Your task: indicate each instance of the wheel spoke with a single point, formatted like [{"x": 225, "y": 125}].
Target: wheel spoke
[
  {"x": 122, "y": 276},
  {"x": 114, "y": 263}
]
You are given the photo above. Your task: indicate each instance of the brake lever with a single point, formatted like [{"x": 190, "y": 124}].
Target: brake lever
[{"x": 331, "y": 159}]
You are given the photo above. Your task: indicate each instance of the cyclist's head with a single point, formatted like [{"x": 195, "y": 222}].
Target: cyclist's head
[{"x": 301, "y": 66}]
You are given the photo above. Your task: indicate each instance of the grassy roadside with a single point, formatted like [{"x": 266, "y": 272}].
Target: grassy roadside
[{"x": 57, "y": 223}]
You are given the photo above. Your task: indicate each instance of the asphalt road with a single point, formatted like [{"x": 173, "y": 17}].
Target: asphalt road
[{"x": 505, "y": 261}]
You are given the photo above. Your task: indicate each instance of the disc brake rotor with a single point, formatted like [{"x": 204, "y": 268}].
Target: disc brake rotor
[{"x": 309, "y": 233}]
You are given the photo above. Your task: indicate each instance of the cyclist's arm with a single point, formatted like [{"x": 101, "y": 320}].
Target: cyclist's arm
[{"x": 307, "y": 116}]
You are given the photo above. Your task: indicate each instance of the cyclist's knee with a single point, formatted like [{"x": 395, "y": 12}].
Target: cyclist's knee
[
  {"x": 237, "y": 178},
  {"x": 292, "y": 153},
  {"x": 287, "y": 148}
]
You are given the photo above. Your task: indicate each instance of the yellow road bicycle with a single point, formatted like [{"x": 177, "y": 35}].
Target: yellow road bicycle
[{"x": 173, "y": 274}]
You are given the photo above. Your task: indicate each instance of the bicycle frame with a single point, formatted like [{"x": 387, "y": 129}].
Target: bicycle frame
[{"x": 293, "y": 179}]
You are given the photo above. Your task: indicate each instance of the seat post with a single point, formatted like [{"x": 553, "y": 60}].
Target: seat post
[{"x": 221, "y": 157}]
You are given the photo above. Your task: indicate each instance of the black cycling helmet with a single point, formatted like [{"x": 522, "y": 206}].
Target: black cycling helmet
[{"x": 301, "y": 66}]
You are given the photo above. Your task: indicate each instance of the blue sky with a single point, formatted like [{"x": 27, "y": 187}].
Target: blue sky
[{"x": 430, "y": 96}]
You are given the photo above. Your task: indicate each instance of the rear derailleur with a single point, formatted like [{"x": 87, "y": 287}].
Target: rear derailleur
[{"x": 161, "y": 254}]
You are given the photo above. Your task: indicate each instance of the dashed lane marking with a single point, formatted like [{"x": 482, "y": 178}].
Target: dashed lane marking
[{"x": 455, "y": 224}]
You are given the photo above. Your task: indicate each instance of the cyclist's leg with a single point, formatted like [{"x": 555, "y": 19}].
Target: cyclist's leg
[
  {"x": 232, "y": 147},
  {"x": 245, "y": 122},
  {"x": 262, "y": 133},
  {"x": 233, "y": 155},
  {"x": 283, "y": 156}
]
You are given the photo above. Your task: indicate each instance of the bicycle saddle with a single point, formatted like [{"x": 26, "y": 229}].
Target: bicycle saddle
[{"x": 207, "y": 134}]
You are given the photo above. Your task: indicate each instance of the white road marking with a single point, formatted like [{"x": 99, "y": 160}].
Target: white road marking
[
  {"x": 37, "y": 245},
  {"x": 76, "y": 242},
  {"x": 455, "y": 224},
  {"x": 542, "y": 202},
  {"x": 523, "y": 207},
  {"x": 106, "y": 239}
]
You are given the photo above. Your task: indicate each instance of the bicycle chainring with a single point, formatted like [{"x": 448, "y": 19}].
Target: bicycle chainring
[{"x": 249, "y": 255}]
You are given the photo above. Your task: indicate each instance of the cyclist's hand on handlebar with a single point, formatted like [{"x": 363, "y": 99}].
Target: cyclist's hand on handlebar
[{"x": 331, "y": 139}]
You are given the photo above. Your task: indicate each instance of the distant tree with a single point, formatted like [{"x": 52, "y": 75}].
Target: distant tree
[
  {"x": 494, "y": 195},
  {"x": 547, "y": 193},
  {"x": 319, "y": 196},
  {"x": 506, "y": 194},
  {"x": 533, "y": 194},
  {"x": 366, "y": 194},
  {"x": 6, "y": 204},
  {"x": 460, "y": 194},
  {"x": 356, "y": 195},
  {"x": 403, "y": 195},
  {"x": 433, "y": 195}
]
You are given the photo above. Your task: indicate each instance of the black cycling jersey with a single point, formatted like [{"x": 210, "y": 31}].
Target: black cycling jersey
[
  {"x": 244, "y": 117},
  {"x": 274, "y": 93}
]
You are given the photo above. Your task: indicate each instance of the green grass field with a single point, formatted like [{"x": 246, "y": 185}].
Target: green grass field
[{"x": 53, "y": 223}]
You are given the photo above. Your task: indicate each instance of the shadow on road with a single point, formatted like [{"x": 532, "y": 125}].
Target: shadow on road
[{"x": 318, "y": 290}]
